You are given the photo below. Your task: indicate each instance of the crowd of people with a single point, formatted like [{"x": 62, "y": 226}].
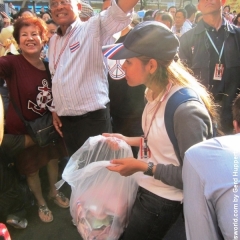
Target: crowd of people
[{"x": 164, "y": 81}]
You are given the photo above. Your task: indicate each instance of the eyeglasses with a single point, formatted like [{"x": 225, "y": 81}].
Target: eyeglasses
[{"x": 63, "y": 3}]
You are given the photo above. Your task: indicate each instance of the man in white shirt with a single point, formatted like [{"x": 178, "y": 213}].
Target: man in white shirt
[
  {"x": 79, "y": 74},
  {"x": 191, "y": 11},
  {"x": 180, "y": 18},
  {"x": 211, "y": 183}
]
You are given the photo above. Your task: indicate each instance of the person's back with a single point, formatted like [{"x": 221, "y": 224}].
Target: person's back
[{"x": 211, "y": 184}]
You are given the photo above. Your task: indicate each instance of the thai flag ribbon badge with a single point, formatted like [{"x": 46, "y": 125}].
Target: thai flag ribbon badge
[{"x": 74, "y": 46}]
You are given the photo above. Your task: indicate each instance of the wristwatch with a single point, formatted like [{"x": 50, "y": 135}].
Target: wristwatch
[{"x": 149, "y": 170}]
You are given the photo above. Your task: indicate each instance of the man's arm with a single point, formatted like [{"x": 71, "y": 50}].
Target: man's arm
[{"x": 126, "y": 5}]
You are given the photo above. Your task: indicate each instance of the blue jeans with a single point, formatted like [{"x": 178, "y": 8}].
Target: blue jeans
[{"x": 151, "y": 216}]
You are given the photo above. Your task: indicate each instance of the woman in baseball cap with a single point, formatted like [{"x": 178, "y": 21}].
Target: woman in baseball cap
[{"x": 178, "y": 114}]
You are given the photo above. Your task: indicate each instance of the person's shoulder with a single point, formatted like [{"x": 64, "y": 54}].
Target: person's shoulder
[{"x": 226, "y": 142}]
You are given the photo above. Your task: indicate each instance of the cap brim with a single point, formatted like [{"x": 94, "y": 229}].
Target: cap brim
[{"x": 117, "y": 52}]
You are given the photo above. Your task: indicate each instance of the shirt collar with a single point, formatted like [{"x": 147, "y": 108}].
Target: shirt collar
[
  {"x": 202, "y": 26},
  {"x": 74, "y": 24}
]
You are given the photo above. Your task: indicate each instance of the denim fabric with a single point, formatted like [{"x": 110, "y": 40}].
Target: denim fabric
[{"x": 151, "y": 217}]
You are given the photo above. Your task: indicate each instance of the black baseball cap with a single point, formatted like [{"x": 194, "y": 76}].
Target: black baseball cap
[{"x": 151, "y": 39}]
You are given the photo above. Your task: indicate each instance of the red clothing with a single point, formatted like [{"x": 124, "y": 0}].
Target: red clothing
[
  {"x": 29, "y": 87},
  {"x": 31, "y": 90}
]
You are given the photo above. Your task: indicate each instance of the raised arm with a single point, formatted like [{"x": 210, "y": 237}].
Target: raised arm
[{"x": 126, "y": 5}]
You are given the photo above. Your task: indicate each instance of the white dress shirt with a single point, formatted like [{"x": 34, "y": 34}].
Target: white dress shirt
[{"x": 79, "y": 78}]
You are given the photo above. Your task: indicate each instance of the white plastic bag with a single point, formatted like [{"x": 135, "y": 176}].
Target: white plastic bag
[{"x": 101, "y": 200}]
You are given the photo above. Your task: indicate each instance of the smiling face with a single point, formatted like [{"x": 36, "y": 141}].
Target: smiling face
[
  {"x": 65, "y": 12},
  {"x": 136, "y": 72},
  {"x": 30, "y": 41}
]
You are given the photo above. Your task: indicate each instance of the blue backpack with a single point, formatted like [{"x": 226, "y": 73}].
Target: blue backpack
[{"x": 181, "y": 96}]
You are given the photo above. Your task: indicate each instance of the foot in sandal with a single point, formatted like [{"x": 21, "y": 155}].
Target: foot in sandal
[
  {"x": 45, "y": 214},
  {"x": 60, "y": 200}
]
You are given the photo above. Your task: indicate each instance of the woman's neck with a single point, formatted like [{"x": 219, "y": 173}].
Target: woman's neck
[{"x": 34, "y": 60}]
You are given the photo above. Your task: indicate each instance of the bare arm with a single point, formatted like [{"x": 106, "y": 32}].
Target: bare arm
[
  {"x": 127, "y": 5},
  {"x": 129, "y": 166},
  {"x": 132, "y": 141}
]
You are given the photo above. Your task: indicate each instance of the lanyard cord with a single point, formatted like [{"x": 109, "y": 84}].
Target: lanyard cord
[
  {"x": 168, "y": 88},
  {"x": 221, "y": 52},
  {"x": 62, "y": 49}
]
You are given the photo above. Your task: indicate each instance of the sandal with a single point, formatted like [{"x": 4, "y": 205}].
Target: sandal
[
  {"x": 44, "y": 211},
  {"x": 16, "y": 222},
  {"x": 60, "y": 200}
]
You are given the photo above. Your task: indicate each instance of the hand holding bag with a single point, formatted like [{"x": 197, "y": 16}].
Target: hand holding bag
[{"x": 101, "y": 200}]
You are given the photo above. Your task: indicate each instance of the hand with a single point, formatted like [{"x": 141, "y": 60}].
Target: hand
[
  {"x": 6, "y": 19},
  {"x": 57, "y": 123},
  {"x": 113, "y": 143},
  {"x": 128, "y": 166},
  {"x": 116, "y": 135}
]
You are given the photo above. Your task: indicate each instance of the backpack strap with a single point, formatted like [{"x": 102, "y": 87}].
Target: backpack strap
[{"x": 181, "y": 96}]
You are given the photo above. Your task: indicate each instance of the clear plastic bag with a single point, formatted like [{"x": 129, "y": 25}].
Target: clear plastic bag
[{"x": 101, "y": 200}]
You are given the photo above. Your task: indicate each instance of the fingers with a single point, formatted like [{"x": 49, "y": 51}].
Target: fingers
[
  {"x": 58, "y": 127},
  {"x": 106, "y": 134},
  {"x": 117, "y": 161}
]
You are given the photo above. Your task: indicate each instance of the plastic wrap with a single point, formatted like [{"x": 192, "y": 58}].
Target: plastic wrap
[{"x": 101, "y": 200}]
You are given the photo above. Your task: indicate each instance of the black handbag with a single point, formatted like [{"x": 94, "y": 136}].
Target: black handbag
[{"x": 41, "y": 130}]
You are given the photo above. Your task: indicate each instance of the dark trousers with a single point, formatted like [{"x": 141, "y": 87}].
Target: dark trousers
[
  {"x": 151, "y": 216},
  {"x": 130, "y": 127},
  {"x": 77, "y": 129}
]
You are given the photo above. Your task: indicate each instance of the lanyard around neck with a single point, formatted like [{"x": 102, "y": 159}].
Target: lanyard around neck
[
  {"x": 168, "y": 88},
  {"x": 62, "y": 49},
  {"x": 214, "y": 46}
]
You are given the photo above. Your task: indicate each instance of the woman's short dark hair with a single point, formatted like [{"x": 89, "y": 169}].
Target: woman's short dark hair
[{"x": 28, "y": 21}]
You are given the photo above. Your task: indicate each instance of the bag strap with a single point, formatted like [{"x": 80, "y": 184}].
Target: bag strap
[
  {"x": 18, "y": 111},
  {"x": 14, "y": 104},
  {"x": 181, "y": 96}
]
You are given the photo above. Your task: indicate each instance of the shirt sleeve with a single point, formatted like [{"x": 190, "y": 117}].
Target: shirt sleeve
[
  {"x": 111, "y": 21},
  {"x": 5, "y": 67},
  {"x": 192, "y": 124}
]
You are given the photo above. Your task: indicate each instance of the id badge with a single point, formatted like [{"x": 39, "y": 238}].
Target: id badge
[
  {"x": 218, "y": 72},
  {"x": 145, "y": 152}
]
